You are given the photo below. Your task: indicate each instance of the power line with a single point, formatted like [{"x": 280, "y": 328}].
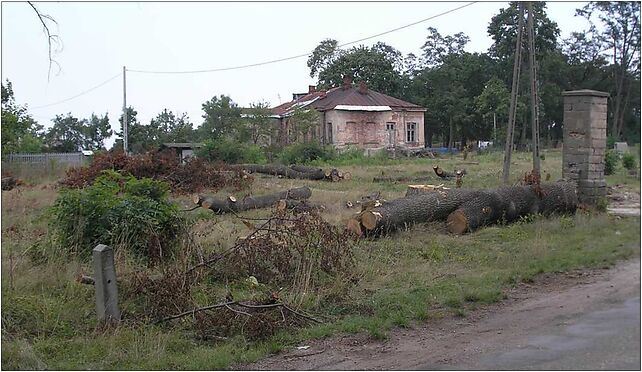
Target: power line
[
  {"x": 79, "y": 94},
  {"x": 302, "y": 55}
]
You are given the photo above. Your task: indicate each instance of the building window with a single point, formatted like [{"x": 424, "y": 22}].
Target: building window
[
  {"x": 390, "y": 126},
  {"x": 329, "y": 127},
  {"x": 411, "y": 132}
]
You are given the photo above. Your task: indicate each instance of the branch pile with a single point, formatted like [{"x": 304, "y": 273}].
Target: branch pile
[
  {"x": 193, "y": 176},
  {"x": 464, "y": 209},
  {"x": 294, "y": 171}
]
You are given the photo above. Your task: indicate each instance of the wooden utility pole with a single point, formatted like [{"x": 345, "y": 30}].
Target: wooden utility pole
[
  {"x": 534, "y": 100},
  {"x": 513, "y": 97},
  {"x": 125, "y": 132}
]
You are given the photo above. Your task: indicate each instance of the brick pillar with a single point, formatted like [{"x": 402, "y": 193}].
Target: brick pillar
[{"x": 585, "y": 142}]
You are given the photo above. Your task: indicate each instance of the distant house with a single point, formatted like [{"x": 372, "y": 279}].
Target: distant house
[
  {"x": 183, "y": 150},
  {"x": 355, "y": 116}
]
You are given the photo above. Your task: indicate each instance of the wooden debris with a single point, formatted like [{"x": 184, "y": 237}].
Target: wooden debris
[{"x": 231, "y": 204}]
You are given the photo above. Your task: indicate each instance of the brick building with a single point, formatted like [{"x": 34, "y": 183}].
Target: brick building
[{"x": 351, "y": 116}]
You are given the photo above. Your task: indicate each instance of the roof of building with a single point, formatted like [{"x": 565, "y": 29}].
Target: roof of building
[{"x": 346, "y": 98}]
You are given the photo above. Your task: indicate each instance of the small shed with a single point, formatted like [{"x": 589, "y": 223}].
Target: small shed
[{"x": 184, "y": 150}]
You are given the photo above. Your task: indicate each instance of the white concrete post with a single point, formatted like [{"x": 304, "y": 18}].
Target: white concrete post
[{"x": 106, "y": 289}]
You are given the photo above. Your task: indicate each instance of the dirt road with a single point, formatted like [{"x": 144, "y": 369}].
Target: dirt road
[{"x": 577, "y": 320}]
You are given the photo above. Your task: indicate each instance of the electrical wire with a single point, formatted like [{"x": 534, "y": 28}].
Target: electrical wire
[
  {"x": 79, "y": 94},
  {"x": 301, "y": 55}
]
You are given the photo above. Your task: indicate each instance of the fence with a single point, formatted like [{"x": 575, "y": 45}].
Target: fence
[{"x": 45, "y": 160}]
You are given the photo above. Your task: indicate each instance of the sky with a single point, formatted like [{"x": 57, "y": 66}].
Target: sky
[{"x": 99, "y": 38}]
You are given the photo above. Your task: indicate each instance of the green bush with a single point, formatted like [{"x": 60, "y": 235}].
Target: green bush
[
  {"x": 611, "y": 159},
  {"x": 231, "y": 152},
  {"x": 123, "y": 212},
  {"x": 301, "y": 153},
  {"x": 629, "y": 162}
]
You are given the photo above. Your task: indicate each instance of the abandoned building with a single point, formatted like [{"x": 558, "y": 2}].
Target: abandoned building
[{"x": 350, "y": 116}]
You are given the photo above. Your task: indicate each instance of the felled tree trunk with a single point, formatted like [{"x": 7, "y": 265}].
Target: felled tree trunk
[
  {"x": 510, "y": 203},
  {"x": 231, "y": 204},
  {"x": 442, "y": 173},
  {"x": 281, "y": 170},
  {"x": 394, "y": 179},
  {"x": 423, "y": 189},
  {"x": 398, "y": 213}
]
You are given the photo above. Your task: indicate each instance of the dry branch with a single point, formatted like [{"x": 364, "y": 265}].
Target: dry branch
[{"x": 232, "y": 204}]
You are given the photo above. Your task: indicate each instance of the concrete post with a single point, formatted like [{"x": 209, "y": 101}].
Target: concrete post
[
  {"x": 585, "y": 142},
  {"x": 106, "y": 289}
]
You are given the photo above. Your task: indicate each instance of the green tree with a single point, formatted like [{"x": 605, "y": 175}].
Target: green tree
[
  {"x": 437, "y": 47},
  {"x": 20, "y": 132},
  {"x": 258, "y": 123},
  {"x": 618, "y": 35},
  {"x": 493, "y": 104},
  {"x": 96, "y": 130},
  {"x": 67, "y": 134},
  {"x": 303, "y": 124},
  {"x": 167, "y": 127},
  {"x": 221, "y": 119}
]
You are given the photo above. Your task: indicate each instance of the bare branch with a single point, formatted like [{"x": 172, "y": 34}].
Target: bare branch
[{"x": 52, "y": 39}]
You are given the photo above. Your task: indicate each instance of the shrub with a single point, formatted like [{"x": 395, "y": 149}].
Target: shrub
[
  {"x": 610, "y": 161},
  {"x": 629, "y": 162},
  {"x": 120, "y": 211},
  {"x": 301, "y": 153},
  {"x": 231, "y": 152}
]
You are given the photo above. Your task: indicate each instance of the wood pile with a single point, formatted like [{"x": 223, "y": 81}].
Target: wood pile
[
  {"x": 464, "y": 209},
  {"x": 294, "y": 171},
  {"x": 289, "y": 199}
]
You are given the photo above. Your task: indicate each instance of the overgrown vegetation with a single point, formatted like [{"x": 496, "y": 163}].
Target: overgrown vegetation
[
  {"x": 231, "y": 152},
  {"x": 304, "y": 153},
  {"x": 629, "y": 161},
  {"x": 121, "y": 211},
  {"x": 611, "y": 160},
  {"x": 192, "y": 176}
]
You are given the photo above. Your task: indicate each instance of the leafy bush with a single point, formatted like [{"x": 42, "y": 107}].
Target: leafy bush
[
  {"x": 629, "y": 162},
  {"x": 610, "y": 161},
  {"x": 231, "y": 152},
  {"x": 120, "y": 211},
  {"x": 302, "y": 153}
]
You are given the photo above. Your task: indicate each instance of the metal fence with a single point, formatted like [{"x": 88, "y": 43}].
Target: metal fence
[{"x": 45, "y": 160}]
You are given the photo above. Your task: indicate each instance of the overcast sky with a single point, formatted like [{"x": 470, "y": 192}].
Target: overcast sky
[{"x": 100, "y": 38}]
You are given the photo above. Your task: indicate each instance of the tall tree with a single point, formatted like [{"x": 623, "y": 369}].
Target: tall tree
[
  {"x": 437, "y": 47},
  {"x": 67, "y": 134},
  {"x": 96, "y": 130},
  {"x": 167, "y": 127},
  {"x": 20, "y": 132},
  {"x": 258, "y": 123},
  {"x": 619, "y": 36},
  {"x": 221, "y": 119}
]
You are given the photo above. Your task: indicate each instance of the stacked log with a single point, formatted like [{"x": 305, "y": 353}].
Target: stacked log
[
  {"x": 464, "y": 209},
  {"x": 232, "y": 204},
  {"x": 510, "y": 203}
]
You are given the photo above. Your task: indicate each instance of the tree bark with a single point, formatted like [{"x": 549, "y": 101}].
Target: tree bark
[
  {"x": 231, "y": 204},
  {"x": 281, "y": 170},
  {"x": 395, "y": 179},
  {"x": 510, "y": 203},
  {"x": 406, "y": 211}
]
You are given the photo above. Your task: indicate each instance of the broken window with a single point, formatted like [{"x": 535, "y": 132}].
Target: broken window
[{"x": 411, "y": 132}]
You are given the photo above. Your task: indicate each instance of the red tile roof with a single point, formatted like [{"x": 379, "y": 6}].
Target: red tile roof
[{"x": 328, "y": 100}]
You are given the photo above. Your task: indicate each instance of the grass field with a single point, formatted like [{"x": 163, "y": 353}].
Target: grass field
[{"x": 417, "y": 275}]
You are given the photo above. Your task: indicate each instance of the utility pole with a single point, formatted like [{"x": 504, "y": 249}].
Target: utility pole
[
  {"x": 125, "y": 132},
  {"x": 513, "y": 97},
  {"x": 534, "y": 101}
]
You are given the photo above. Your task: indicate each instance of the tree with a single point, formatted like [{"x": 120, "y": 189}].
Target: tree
[
  {"x": 20, "y": 132},
  {"x": 379, "y": 66},
  {"x": 493, "y": 103},
  {"x": 303, "y": 123},
  {"x": 437, "y": 46},
  {"x": 258, "y": 123},
  {"x": 139, "y": 137},
  {"x": 167, "y": 127},
  {"x": 222, "y": 118},
  {"x": 619, "y": 39},
  {"x": 96, "y": 130},
  {"x": 66, "y": 135}
]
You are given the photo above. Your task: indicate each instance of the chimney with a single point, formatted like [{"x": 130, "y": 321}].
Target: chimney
[
  {"x": 312, "y": 89},
  {"x": 347, "y": 82},
  {"x": 363, "y": 87}
]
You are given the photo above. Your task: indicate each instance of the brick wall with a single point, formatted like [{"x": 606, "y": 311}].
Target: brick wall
[{"x": 585, "y": 142}]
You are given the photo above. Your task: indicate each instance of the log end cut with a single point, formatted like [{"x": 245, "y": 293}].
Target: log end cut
[
  {"x": 369, "y": 219},
  {"x": 196, "y": 199},
  {"x": 457, "y": 223},
  {"x": 354, "y": 226}
]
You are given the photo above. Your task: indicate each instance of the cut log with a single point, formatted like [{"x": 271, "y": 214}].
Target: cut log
[
  {"x": 442, "y": 173},
  {"x": 280, "y": 170},
  {"x": 347, "y": 176},
  {"x": 406, "y": 211},
  {"x": 510, "y": 203},
  {"x": 422, "y": 189},
  {"x": 397, "y": 179},
  {"x": 304, "y": 169},
  {"x": 334, "y": 175},
  {"x": 250, "y": 202}
]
